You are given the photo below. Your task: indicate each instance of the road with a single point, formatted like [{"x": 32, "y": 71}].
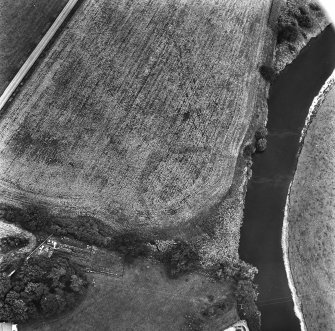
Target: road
[{"x": 36, "y": 53}]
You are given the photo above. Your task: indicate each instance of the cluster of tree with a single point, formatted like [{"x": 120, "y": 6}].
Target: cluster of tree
[
  {"x": 86, "y": 229},
  {"x": 268, "y": 73},
  {"x": 246, "y": 295},
  {"x": 235, "y": 270},
  {"x": 301, "y": 16},
  {"x": 261, "y": 141},
  {"x": 40, "y": 287},
  {"x": 130, "y": 245},
  {"x": 242, "y": 274},
  {"x": 12, "y": 242},
  {"x": 287, "y": 32},
  {"x": 32, "y": 218},
  {"x": 180, "y": 258},
  {"x": 259, "y": 144},
  {"x": 314, "y": 6},
  {"x": 37, "y": 219}
]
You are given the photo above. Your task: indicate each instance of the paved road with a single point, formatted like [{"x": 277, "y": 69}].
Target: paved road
[{"x": 36, "y": 53}]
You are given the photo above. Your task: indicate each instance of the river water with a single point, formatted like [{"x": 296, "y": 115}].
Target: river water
[{"x": 290, "y": 98}]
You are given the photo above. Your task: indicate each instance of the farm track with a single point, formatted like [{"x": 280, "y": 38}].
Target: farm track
[
  {"x": 138, "y": 111},
  {"x": 22, "y": 25},
  {"x": 36, "y": 53}
]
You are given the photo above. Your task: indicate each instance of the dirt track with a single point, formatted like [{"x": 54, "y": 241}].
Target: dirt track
[{"x": 22, "y": 25}]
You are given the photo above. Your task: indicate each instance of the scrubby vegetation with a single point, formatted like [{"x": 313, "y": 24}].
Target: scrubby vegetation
[
  {"x": 180, "y": 258},
  {"x": 246, "y": 293},
  {"x": 236, "y": 270},
  {"x": 246, "y": 296},
  {"x": 314, "y": 6},
  {"x": 261, "y": 142},
  {"x": 86, "y": 229},
  {"x": 305, "y": 21},
  {"x": 249, "y": 150},
  {"x": 130, "y": 245},
  {"x": 37, "y": 219},
  {"x": 268, "y": 73},
  {"x": 12, "y": 242},
  {"x": 40, "y": 287},
  {"x": 262, "y": 132},
  {"x": 261, "y": 145},
  {"x": 287, "y": 32}
]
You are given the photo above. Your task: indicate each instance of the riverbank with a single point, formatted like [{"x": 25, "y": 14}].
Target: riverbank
[
  {"x": 309, "y": 218},
  {"x": 288, "y": 50},
  {"x": 291, "y": 95}
]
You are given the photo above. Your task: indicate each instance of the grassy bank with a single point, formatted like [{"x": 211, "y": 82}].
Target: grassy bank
[
  {"x": 310, "y": 220},
  {"x": 22, "y": 25}
]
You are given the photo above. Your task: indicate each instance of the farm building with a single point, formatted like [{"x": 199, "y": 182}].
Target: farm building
[
  {"x": 8, "y": 327},
  {"x": 239, "y": 326}
]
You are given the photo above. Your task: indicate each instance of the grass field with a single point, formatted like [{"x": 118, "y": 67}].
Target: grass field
[
  {"x": 22, "y": 25},
  {"x": 143, "y": 299},
  {"x": 311, "y": 220},
  {"x": 139, "y": 111}
]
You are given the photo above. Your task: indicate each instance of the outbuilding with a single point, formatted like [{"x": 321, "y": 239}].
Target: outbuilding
[{"x": 8, "y": 327}]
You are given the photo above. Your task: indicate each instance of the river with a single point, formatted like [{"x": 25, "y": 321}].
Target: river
[{"x": 290, "y": 98}]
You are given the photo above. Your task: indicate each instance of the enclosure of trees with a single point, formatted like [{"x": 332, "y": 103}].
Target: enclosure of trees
[
  {"x": 9, "y": 243},
  {"x": 40, "y": 287}
]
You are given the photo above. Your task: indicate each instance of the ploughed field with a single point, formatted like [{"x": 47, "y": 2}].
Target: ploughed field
[
  {"x": 22, "y": 25},
  {"x": 138, "y": 113},
  {"x": 311, "y": 220}
]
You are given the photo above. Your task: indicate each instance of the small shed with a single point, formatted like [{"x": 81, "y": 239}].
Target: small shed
[
  {"x": 8, "y": 327},
  {"x": 239, "y": 326}
]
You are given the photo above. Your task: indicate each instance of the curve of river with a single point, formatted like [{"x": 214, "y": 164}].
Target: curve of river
[{"x": 290, "y": 98}]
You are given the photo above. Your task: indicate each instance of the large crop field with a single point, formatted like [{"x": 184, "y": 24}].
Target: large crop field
[
  {"x": 311, "y": 220},
  {"x": 138, "y": 116},
  {"x": 138, "y": 113},
  {"x": 22, "y": 25}
]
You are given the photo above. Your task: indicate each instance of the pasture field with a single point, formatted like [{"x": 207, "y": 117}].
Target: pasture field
[
  {"x": 22, "y": 24},
  {"x": 311, "y": 228},
  {"x": 143, "y": 299}
]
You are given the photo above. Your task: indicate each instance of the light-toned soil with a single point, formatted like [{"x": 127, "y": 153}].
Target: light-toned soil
[
  {"x": 311, "y": 215},
  {"x": 138, "y": 113},
  {"x": 143, "y": 299},
  {"x": 22, "y": 25},
  {"x": 286, "y": 52}
]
